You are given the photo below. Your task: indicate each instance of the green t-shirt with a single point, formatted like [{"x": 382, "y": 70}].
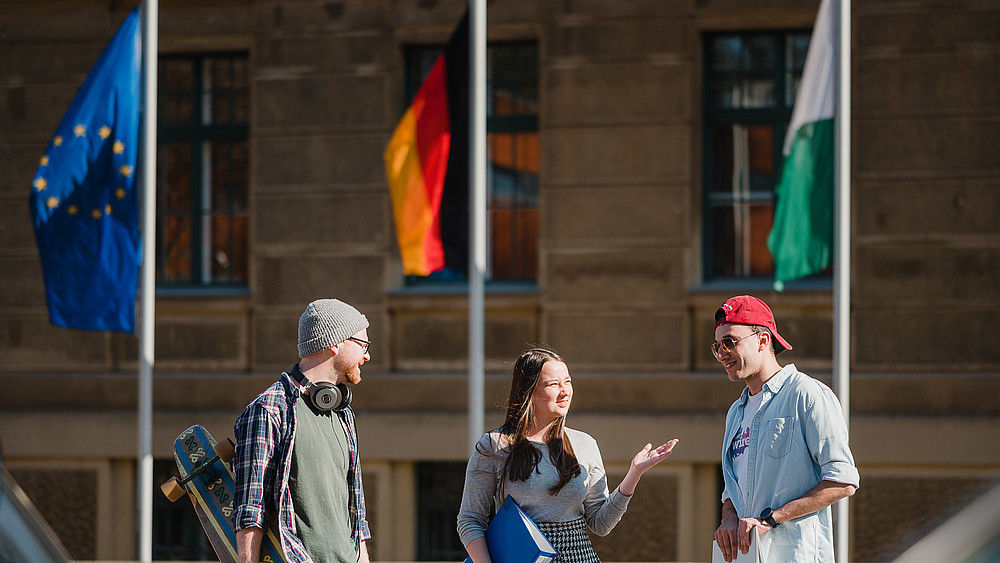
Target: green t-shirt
[{"x": 318, "y": 484}]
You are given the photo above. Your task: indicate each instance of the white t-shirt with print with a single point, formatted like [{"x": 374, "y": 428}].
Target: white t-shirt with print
[{"x": 741, "y": 441}]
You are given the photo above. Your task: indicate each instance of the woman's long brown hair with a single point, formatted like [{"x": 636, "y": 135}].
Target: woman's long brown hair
[{"x": 523, "y": 457}]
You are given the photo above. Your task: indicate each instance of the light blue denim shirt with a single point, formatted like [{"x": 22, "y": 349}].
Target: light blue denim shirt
[{"x": 797, "y": 439}]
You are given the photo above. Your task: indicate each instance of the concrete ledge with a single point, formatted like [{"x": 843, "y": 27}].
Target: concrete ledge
[
  {"x": 417, "y": 435},
  {"x": 702, "y": 392}
]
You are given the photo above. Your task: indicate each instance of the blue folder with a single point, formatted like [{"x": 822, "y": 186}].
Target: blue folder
[{"x": 513, "y": 538}]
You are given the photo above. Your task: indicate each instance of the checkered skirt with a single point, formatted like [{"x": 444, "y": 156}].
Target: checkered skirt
[{"x": 570, "y": 540}]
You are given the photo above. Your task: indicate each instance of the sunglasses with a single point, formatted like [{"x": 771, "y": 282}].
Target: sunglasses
[{"x": 728, "y": 344}]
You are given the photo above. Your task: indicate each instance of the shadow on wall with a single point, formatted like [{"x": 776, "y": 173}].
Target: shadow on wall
[{"x": 971, "y": 536}]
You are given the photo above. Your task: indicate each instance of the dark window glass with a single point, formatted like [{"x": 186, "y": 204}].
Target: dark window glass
[
  {"x": 203, "y": 162},
  {"x": 512, "y": 157},
  {"x": 177, "y": 533},
  {"x": 750, "y": 85},
  {"x": 439, "y": 496},
  {"x": 512, "y": 80},
  {"x": 513, "y": 210}
]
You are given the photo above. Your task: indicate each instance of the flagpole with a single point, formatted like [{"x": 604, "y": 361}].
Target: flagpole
[
  {"x": 147, "y": 278},
  {"x": 842, "y": 245},
  {"x": 477, "y": 214}
]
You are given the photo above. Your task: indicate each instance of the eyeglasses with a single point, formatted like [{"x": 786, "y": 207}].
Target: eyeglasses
[
  {"x": 728, "y": 344},
  {"x": 364, "y": 343}
]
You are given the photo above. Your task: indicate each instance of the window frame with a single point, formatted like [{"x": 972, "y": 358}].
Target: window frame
[
  {"x": 177, "y": 534},
  {"x": 417, "y": 55},
  {"x": 437, "y": 536},
  {"x": 195, "y": 134},
  {"x": 778, "y": 115}
]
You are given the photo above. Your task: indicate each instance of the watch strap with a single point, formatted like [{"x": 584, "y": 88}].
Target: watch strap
[{"x": 767, "y": 516}]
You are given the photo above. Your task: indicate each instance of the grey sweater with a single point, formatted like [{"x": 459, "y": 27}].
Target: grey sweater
[{"x": 586, "y": 495}]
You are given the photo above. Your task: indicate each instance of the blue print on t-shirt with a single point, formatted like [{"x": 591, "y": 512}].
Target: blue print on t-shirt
[{"x": 740, "y": 443}]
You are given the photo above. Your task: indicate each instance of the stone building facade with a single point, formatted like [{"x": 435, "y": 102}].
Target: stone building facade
[{"x": 616, "y": 141}]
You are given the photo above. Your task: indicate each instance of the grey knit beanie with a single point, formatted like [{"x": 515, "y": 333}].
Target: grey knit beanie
[{"x": 326, "y": 322}]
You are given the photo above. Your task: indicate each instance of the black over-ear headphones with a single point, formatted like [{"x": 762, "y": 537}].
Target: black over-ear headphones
[{"x": 323, "y": 396}]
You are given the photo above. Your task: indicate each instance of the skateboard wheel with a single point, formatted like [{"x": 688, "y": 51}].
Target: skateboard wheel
[
  {"x": 225, "y": 450},
  {"x": 172, "y": 489}
]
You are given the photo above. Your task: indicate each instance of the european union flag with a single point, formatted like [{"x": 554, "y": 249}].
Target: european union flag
[{"x": 83, "y": 198}]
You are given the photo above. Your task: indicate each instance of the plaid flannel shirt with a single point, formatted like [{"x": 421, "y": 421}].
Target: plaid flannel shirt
[{"x": 265, "y": 434}]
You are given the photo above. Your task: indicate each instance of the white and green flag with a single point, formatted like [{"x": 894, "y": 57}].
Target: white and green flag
[{"x": 801, "y": 240}]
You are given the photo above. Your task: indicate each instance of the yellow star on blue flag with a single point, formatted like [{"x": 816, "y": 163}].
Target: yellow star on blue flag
[{"x": 90, "y": 261}]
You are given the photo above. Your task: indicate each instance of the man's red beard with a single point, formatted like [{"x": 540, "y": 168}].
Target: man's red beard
[{"x": 353, "y": 375}]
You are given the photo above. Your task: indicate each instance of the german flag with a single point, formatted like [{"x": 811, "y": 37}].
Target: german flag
[{"x": 427, "y": 166}]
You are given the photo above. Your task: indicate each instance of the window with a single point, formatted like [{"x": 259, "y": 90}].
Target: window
[
  {"x": 439, "y": 496},
  {"x": 511, "y": 154},
  {"x": 750, "y": 85},
  {"x": 202, "y": 164},
  {"x": 177, "y": 533}
]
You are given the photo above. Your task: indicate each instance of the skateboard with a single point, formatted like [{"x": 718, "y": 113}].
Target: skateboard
[{"x": 207, "y": 477}]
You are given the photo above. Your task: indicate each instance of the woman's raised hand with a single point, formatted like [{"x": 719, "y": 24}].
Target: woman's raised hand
[{"x": 648, "y": 456}]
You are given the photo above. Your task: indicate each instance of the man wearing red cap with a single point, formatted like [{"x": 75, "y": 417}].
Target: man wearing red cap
[{"x": 785, "y": 457}]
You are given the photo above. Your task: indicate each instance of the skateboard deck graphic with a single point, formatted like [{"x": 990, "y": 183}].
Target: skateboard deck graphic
[{"x": 207, "y": 478}]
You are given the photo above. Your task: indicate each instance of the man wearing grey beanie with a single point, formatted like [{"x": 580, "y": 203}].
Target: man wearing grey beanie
[{"x": 297, "y": 467}]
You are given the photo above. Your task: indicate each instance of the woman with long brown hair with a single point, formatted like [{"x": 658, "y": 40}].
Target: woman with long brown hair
[{"x": 553, "y": 472}]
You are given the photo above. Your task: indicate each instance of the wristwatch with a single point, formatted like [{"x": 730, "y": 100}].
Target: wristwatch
[{"x": 767, "y": 517}]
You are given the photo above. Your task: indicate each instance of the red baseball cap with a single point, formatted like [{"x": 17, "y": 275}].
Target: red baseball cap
[{"x": 748, "y": 310}]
